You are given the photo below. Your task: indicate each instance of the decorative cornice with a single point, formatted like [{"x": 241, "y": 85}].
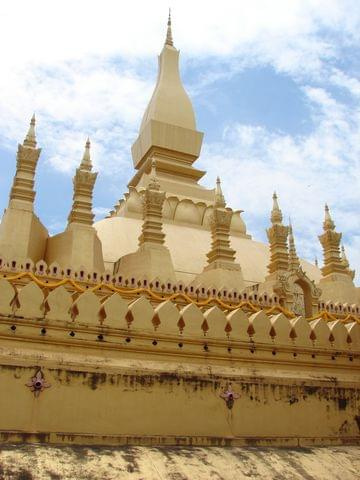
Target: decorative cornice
[{"x": 183, "y": 296}]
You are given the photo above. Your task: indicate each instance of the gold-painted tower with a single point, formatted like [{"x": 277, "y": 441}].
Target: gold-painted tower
[
  {"x": 78, "y": 248},
  {"x": 22, "y": 235}
]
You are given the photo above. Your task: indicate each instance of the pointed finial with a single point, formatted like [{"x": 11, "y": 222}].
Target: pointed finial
[
  {"x": 154, "y": 182},
  {"x": 328, "y": 222},
  {"x": 30, "y": 139},
  {"x": 316, "y": 262},
  {"x": 219, "y": 197},
  {"x": 344, "y": 259},
  {"x": 153, "y": 168},
  {"x": 276, "y": 215},
  {"x": 294, "y": 263},
  {"x": 169, "y": 38},
  {"x": 86, "y": 160}
]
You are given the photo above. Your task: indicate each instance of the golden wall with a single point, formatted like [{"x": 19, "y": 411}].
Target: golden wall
[{"x": 117, "y": 370}]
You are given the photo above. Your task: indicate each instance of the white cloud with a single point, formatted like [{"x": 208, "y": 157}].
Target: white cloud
[
  {"x": 61, "y": 58},
  {"x": 350, "y": 84},
  {"x": 48, "y": 32},
  {"x": 72, "y": 103}
]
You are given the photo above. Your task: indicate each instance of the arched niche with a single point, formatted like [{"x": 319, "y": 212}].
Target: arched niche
[
  {"x": 298, "y": 293},
  {"x": 302, "y": 299}
]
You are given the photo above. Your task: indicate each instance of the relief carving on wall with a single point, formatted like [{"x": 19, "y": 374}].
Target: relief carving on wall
[
  {"x": 229, "y": 396},
  {"x": 298, "y": 291},
  {"x": 38, "y": 383}
]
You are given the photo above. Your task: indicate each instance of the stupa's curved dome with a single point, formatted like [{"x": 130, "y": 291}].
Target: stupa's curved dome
[{"x": 188, "y": 247}]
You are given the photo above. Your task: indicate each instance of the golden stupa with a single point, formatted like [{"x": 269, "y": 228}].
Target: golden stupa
[{"x": 165, "y": 323}]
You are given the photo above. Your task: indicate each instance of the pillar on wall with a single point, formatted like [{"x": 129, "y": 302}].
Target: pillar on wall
[
  {"x": 337, "y": 279},
  {"x": 22, "y": 235},
  {"x": 152, "y": 259},
  {"x": 79, "y": 247},
  {"x": 286, "y": 279},
  {"x": 277, "y": 235},
  {"x": 221, "y": 271}
]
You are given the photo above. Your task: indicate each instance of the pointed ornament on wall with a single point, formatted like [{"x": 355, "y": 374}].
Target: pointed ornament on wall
[{"x": 37, "y": 383}]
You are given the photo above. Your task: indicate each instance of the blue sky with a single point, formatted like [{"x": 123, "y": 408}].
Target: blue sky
[{"x": 275, "y": 86}]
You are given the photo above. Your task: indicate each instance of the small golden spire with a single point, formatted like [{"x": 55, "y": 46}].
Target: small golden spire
[
  {"x": 278, "y": 239},
  {"x": 30, "y": 139},
  {"x": 219, "y": 197},
  {"x": 330, "y": 241},
  {"x": 328, "y": 222},
  {"x": 294, "y": 263},
  {"x": 153, "y": 201},
  {"x": 169, "y": 38},
  {"x": 290, "y": 228},
  {"x": 344, "y": 259},
  {"x": 81, "y": 210},
  {"x": 221, "y": 255},
  {"x": 276, "y": 215},
  {"x": 86, "y": 160}
]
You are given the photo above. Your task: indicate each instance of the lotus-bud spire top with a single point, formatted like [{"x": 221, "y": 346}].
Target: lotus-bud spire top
[
  {"x": 276, "y": 215},
  {"x": 219, "y": 197},
  {"x": 30, "y": 139},
  {"x": 344, "y": 259},
  {"x": 86, "y": 160},
  {"x": 328, "y": 222}
]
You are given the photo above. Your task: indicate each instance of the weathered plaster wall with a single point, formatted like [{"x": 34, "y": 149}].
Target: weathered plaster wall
[{"x": 167, "y": 404}]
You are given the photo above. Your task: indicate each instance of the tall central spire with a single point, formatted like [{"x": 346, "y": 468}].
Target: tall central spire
[
  {"x": 168, "y": 128},
  {"x": 170, "y": 103}
]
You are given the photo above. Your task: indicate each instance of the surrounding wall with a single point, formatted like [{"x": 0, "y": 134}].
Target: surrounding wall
[{"x": 114, "y": 370}]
